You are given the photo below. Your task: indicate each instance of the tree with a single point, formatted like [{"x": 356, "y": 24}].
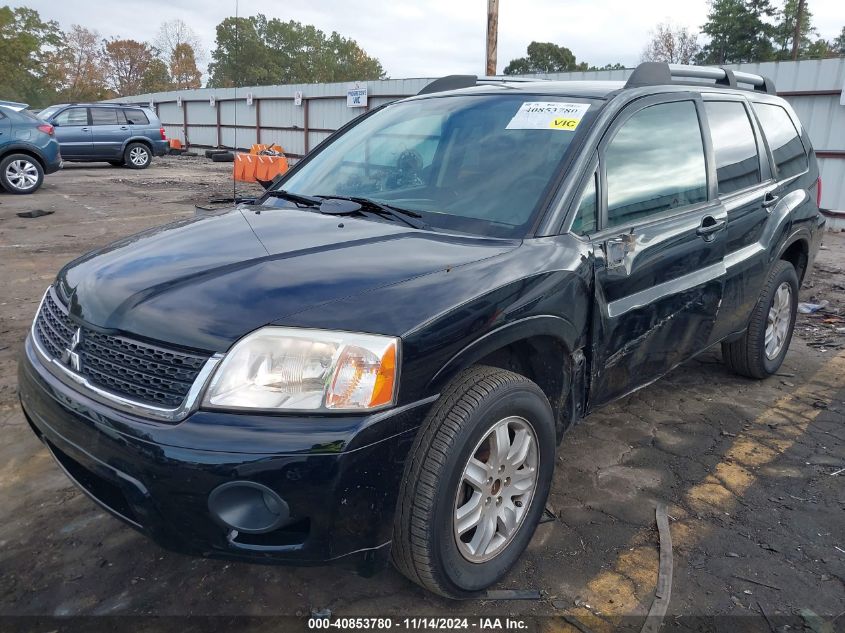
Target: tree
[
  {"x": 544, "y": 57},
  {"x": 172, "y": 35},
  {"x": 839, "y": 43},
  {"x": 76, "y": 67},
  {"x": 126, "y": 63},
  {"x": 739, "y": 31},
  {"x": 183, "y": 68},
  {"x": 257, "y": 51},
  {"x": 616, "y": 66},
  {"x": 156, "y": 78},
  {"x": 25, "y": 44},
  {"x": 784, "y": 30},
  {"x": 674, "y": 45}
]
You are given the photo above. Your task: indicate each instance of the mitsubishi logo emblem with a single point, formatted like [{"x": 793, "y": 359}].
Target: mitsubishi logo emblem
[{"x": 69, "y": 356}]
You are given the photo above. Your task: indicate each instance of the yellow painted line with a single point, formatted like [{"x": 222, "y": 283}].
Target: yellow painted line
[{"x": 627, "y": 587}]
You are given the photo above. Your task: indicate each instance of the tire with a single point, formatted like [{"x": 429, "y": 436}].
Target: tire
[
  {"x": 223, "y": 157},
  {"x": 211, "y": 152},
  {"x": 137, "y": 156},
  {"x": 426, "y": 545},
  {"x": 21, "y": 174},
  {"x": 750, "y": 356}
]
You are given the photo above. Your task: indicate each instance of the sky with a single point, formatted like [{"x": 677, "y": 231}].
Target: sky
[{"x": 427, "y": 38}]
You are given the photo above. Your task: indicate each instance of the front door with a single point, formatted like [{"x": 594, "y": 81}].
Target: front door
[
  {"x": 73, "y": 132},
  {"x": 660, "y": 246}
]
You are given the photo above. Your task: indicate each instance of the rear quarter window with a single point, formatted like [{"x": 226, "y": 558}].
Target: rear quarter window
[
  {"x": 734, "y": 145},
  {"x": 136, "y": 117},
  {"x": 784, "y": 140}
]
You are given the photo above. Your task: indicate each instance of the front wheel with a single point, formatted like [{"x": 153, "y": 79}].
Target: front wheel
[
  {"x": 20, "y": 174},
  {"x": 761, "y": 350},
  {"x": 137, "y": 156},
  {"x": 475, "y": 483}
]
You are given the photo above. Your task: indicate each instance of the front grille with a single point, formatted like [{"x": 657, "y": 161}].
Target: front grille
[{"x": 149, "y": 374}]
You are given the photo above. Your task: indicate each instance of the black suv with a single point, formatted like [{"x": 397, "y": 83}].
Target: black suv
[{"x": 381, "y": 354}]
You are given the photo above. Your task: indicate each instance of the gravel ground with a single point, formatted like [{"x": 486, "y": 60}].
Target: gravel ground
[{"x": 746, "y": 468}]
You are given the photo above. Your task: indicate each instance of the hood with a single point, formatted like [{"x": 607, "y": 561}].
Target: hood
[{"x": 206, "y": 282}]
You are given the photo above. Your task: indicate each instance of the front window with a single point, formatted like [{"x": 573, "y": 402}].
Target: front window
[{"x": 476, "y": 164}]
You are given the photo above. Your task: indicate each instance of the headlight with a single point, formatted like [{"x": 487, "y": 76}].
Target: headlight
[{"x": 292, "y": 368}]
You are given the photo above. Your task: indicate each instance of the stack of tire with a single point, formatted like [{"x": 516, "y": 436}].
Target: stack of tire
[{"x": 220, "y": 155}]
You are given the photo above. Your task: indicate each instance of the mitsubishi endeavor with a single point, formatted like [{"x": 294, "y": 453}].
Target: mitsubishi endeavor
[{"x": 378, "y": 357}]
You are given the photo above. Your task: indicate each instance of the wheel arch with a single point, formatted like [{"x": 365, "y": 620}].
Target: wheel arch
[
  {"x": 23, "y": 149},
  {"x": 137, "y": 139},
  {"x": 539, "y": 348},
  {"x": 796, "y": 251}
]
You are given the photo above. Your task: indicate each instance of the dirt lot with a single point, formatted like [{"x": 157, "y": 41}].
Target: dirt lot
[{"x": 746, "y": 468}]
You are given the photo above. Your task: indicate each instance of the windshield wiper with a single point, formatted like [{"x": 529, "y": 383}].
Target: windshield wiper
[
  {"x": 411, "y": 218},
  {"x": 307, "y": 201}
]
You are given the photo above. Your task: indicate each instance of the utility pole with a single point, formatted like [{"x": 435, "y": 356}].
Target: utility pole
[
  {"x": 796, "y": 36},
  {"x": 493, "y": 35}
]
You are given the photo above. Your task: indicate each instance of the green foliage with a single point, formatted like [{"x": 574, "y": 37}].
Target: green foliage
[
  {"x": 156, "y": 78},
  {"x": 784, "y": 30},
  {"x": 25, "y": 42},
  {"x": 738, "y": 32},
  {"x": 544, "y": 57},
  {"x": 255, "y": 51}
]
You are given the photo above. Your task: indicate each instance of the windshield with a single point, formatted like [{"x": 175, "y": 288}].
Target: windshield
[
  {"x": 46, "y": 113},
  {"x": 476, "y": 164}
]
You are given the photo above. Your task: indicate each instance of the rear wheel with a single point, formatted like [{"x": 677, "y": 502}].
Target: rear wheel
[
  {"x": 20, "y": 174},
  {"x": 761, "y": 350},
  {"x": 475, "y": 483},
  {"x": 137, "y": 156}
]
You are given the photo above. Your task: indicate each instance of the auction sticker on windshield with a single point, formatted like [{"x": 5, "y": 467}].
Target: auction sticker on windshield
[{"x": 551, "y": 115}]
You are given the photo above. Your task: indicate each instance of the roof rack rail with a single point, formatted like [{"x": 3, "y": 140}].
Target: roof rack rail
[
  {"x": 661, "y": 73},
  {"x": 454, "y": 82}
]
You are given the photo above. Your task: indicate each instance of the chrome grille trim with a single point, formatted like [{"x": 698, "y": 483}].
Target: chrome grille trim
[{"x": 83, "y": 385}]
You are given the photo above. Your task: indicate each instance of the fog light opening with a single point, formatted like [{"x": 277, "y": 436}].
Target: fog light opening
[{"x": 247, "y": 506}]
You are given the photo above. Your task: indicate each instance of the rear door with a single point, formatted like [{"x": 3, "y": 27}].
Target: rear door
[
  {"x": 73, "y": 132},
  {"x": 110, "y": 132},
  {"x": 659, "y": 247},
  {"x": 746, "y": 188}
]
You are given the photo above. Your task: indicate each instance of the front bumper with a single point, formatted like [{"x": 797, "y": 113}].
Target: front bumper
[{"x": 339, "y": 475}]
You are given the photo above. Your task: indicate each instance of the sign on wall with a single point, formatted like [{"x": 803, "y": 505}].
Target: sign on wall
[
  {"x": 211, "y": 101},
  {"x": 356, "y": 97},
  {"x": 152, "y": 105},
  {"x": 178, "y": 101},
  {"x": 249, "y": 98},
  {"x": 297, "y": 98}
]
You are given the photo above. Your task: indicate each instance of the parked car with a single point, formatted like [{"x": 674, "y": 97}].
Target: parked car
[
  {"x": 28, "y": 149},
  {"x": 111, "y": 132},
  {"x": 382, "y": 352}
]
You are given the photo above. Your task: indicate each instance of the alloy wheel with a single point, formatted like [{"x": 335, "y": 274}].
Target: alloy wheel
[
  {"x": 496, "y": 489},
  {"x": 138, "y": 156},
  {"x": 22, "y": 174},
  {"x": 779, "y": 320}
]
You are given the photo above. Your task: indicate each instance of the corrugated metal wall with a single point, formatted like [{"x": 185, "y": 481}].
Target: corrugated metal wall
[{"x": 813, "y": 87}]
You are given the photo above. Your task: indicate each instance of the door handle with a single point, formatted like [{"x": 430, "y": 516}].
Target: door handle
[
  {"x": 709, "y": 227},
  {"x": 84, "y": 129},
  {"x": 123, "y": 127},
  {"x": 769, "y": 200}
]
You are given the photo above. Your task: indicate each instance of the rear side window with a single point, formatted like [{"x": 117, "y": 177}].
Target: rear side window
[
  {"x": 73, "y": 116},
  {"x": 737, "y": 162},
  {"x": 103, "y": 116},
  {"x": 783, "y": 138},
  {"x": 136, "y": 117},
  {"x": 655, "y": 163}
]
